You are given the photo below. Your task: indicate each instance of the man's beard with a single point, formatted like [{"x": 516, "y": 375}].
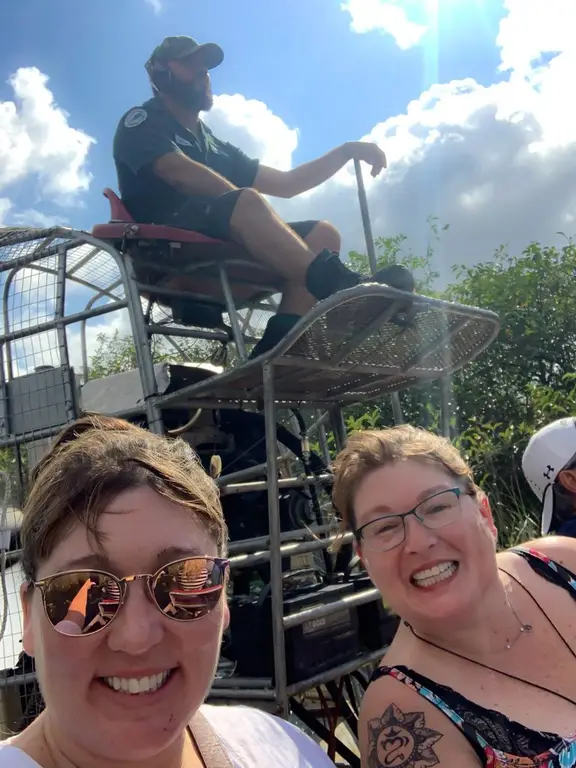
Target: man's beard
[{"x": 196, "y": 98}]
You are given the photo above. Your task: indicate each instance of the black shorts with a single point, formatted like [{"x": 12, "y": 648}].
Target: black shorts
[{"x": 213, "y": 219}]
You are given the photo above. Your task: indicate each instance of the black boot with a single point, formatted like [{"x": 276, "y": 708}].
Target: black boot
[
  {"x": 396, "y": 276},
  {"x": 278, "y": 326},
  {"x": 327, "y": 275}
]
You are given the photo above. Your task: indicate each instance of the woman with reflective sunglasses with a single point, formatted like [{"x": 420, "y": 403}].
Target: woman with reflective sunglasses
[
  {"x": 482, "y": 671},
  {"x": 124, "y": 604}
]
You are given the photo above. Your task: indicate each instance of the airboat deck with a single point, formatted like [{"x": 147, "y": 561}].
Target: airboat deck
[{"x": 59, "y": 284}]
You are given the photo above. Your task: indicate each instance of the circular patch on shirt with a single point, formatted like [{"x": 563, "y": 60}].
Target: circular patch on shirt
[{"x": 135, "y": 117}]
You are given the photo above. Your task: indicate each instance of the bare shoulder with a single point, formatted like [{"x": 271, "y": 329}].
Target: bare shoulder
[
  {"x": 399, "y": 727},
  {"x": 561, "y": 549}
]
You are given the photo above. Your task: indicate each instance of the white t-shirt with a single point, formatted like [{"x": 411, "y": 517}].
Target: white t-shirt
[{"x": 251, "y": 738}]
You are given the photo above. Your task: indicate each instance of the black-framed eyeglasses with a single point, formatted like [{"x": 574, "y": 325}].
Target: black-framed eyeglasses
[
  {"x": 386, "y": 532},
  {"x": 84, "y": 601}
]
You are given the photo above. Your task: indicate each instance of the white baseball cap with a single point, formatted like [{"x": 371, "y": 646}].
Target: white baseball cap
[{"x": 547, "y": 454}]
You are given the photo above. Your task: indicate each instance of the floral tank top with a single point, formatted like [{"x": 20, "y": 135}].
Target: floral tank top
[{"x": 498, "y": 741}]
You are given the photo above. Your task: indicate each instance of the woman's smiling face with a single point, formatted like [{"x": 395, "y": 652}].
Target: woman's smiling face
[
  {"x": 141, "y": 531},
  {"x": 433, "y": 571}
]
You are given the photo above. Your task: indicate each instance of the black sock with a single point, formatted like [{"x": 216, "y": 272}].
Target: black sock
[{"x": 278, "y": 326}]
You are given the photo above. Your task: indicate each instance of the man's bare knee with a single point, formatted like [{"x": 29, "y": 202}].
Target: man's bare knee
[
  {"x": 323, "y": 235},
  {"x": 255, "y": 225}
]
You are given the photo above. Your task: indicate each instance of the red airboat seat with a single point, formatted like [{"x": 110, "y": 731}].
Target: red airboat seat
[
  {"x": 194, "y": 256},
  {"x": 116, "y": 228},
  {"x": 118, "y": 211}
]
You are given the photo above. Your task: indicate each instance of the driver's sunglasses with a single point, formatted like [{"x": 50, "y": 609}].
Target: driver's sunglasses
[{"x": 82, "y": 602}]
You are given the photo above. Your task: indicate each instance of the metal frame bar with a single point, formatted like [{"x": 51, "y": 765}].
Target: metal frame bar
[
  {"x": 285, "y": 482},
  {"x": 50, "y": 325},
  {"x": 245, "y": 546},
  {"x": 89, "y": 304},
  {"x": 155, "y": 329},
  {"x": 232, "y": 313},
  {"x": 276, "y": 582},
  {"x": 59, "y": 314},
  {"x": 286, "y": 550},
  {"x": 371, "y": 250},
  {"x": 5, "y": 420},
  {"x": 141, "y": 343},
  {"x": 338, "y": 426}
]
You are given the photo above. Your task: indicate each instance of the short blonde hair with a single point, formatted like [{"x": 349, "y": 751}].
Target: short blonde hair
[
  {"x": 95, "y": 459},
  {"x": 370, "y": 450}
]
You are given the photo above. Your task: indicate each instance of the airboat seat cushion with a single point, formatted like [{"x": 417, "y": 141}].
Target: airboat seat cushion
[
  {"x": 116, "y": 228},
  {"x": 121, "y": 230},
  {"x": 192, "y": 265}
]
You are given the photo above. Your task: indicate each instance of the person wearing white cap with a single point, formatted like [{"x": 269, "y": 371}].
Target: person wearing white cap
[{"x": 549, "y": 466}]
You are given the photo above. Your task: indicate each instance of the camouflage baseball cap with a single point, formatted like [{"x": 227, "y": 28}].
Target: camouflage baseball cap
[{"x": 180, "y": 46}]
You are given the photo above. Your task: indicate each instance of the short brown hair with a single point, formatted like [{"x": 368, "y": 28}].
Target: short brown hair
[
  {"x": 95, "y": 459},
  {"x": 367, "y": 451}
]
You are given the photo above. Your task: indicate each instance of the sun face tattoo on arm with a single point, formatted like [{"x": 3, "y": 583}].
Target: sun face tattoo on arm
[{"x": 401, "y": 740}]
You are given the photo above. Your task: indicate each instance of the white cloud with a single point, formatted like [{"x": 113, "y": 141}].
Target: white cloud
[
  {"x": 497, "y": 163},
  {"x": 156, "y": 5},
  {"x": 387, "y": 16},
  {"x": 5, "y": 206},
  {"x": 250, "y": 124},
  {"x": 37, "y": 144},
  {"x": 37, "y": 141},
  {"x": 532, "y": 28},
  {"x": 34, "y": 218}
]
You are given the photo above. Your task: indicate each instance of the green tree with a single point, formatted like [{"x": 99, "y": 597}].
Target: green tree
[
  {"x": 523, "y": 381},
  {"x": 117, "y": 354},
  {"x": 535, "y": 295}
]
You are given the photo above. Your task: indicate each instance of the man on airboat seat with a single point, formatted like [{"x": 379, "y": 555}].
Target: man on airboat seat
[{"x": 173, "y": 171}]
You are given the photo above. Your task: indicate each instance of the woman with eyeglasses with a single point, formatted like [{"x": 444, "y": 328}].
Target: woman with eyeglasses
[
  {"x": 124, "y": 605},
  {"x": 482, "y": 671}
]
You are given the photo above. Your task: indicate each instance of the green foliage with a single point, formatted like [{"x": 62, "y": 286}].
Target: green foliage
[
  {"x": 7, "y": 460},
  {"x": 117, "y": 354},
  {"x": 522, "y": 382},
  {"x": 114, "y": 354},
  {"x": 394, "y": 250},
  {"x": 534, "y": 294}
]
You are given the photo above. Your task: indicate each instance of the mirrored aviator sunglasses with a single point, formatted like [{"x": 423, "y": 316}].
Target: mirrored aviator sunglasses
[{"x": 83, "y": 602}]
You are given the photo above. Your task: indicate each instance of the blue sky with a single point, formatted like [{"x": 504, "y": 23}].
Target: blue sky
[
  {"x": 470, "y": 99},
  {"x": 300, "y": 57}
]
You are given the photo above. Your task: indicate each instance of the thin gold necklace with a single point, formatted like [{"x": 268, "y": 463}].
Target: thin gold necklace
[{"x": 527, "y": 628}]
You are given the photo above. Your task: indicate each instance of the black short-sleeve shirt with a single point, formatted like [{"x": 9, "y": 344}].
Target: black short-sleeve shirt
[{"x": 145, "y": 134}]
